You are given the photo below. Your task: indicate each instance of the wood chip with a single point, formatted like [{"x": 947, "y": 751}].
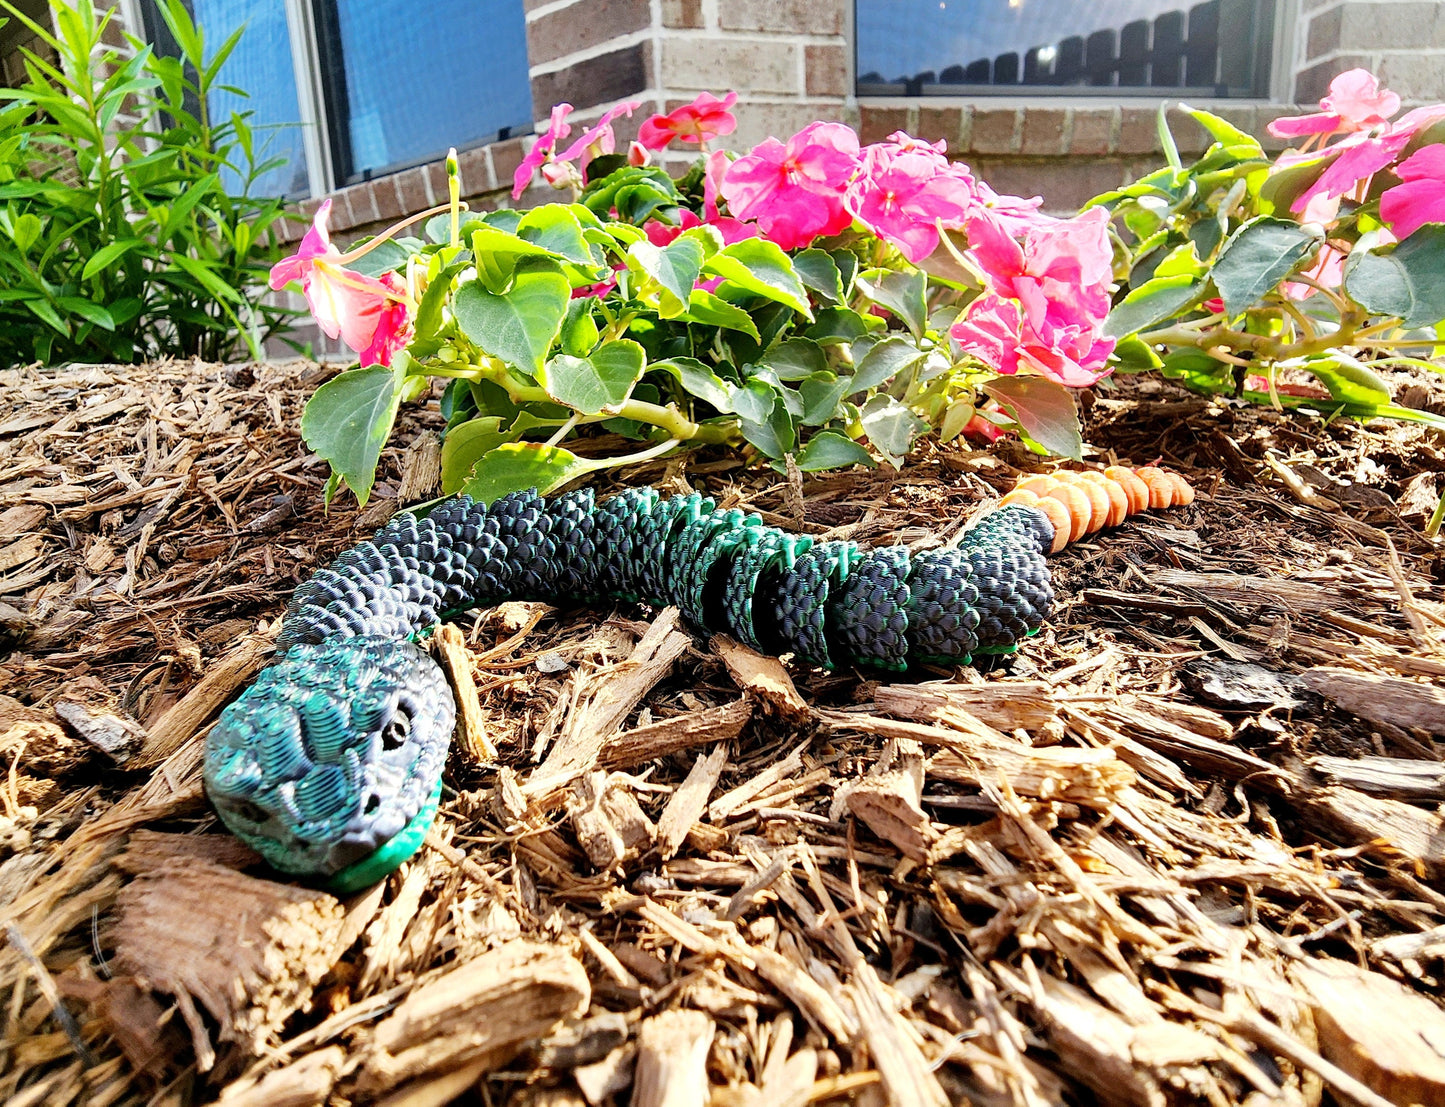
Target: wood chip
[
  {"x": 763, "y": 676},
  {"x": 1381, "y": 699}
]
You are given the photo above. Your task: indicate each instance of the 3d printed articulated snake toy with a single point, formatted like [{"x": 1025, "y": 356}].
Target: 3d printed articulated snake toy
[{"x": 330, "y": 764}]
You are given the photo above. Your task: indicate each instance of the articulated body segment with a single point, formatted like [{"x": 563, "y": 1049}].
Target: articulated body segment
[{"x": 330, "y": 764}]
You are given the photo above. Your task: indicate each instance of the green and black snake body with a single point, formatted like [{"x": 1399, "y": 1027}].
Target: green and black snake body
[{"x": 330, "y": 764}]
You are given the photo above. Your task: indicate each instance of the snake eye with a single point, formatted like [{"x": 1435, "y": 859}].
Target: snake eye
[
  {"x": 396, "y": 732},
  {"x": 251, "y": 812}
]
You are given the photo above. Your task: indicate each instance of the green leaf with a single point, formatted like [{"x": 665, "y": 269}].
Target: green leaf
[
  {"x": 822, "y": 393},
  {"x": 884, "y": 361},
  {"x": 704, "y": 307},
  {"x": 464, "y": 446},
  {"x": 207, "y": 278},
  {"x": 1348, "y": 380},
  {"x": 795, "y": 359},
  {"x": 904, "y": 294},
  {"x": 579, "y": 329},
  {"x": 1240, "y": 144},
  {"x": 830, "y": 450},
  {"x": 90, "y": 312},
  {"x": 518, "y": 466},
  {"x": 497, "y": 254},
  {"x": 1153, "y": 302},
  {"x": 1044, "y": 409},
  {"x": 1133, "y": 355},
  {"x": 25, "y": 231},
  {"x": 761, "y": 268},
  {"x": 348, "y": 420},
  {"x": 774, "y": 435},
  {"x": 430, "y": 312},
  {"x": 675, "y": 267},
  {"x": 891, "y": 427},
  {"x": 520, "y": 325},
  {"x": 596, "y": 384},
  {"x": 698, "y": 380},
  {"x": 1407, "y": 280},
  {"x": 838, "y": 325},
  {"x": 752, "y": 401},
  {"x": 1256, "y": 257},
  {"x": 818, "y": 271},
  {"x": 390, "y": 255},
  {"x": 555, "y": 228}
]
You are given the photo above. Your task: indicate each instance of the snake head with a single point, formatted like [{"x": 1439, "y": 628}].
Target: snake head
[{"x": 336, "y": 751}]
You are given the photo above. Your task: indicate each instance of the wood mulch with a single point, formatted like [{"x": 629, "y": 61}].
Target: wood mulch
[{"x": 1186, "y": 847}]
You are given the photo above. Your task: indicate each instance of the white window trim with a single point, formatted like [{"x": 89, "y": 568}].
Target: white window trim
[{"x": 305, "y": 63}]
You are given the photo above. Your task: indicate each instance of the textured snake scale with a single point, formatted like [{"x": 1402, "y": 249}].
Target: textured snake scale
[{"x": 330, "y": 764}]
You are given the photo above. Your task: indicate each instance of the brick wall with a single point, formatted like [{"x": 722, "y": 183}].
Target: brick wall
[{"x": 1401, "y": 40}]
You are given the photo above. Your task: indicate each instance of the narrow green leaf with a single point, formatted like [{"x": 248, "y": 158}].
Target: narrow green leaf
[
  {"x": 520, "y": 325},
  {"x": 1044, "y": 409},
  {"x": 348, "y": 420}
]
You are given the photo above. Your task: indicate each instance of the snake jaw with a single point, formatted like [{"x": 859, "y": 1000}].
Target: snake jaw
[{"x": 333, "y": 752}]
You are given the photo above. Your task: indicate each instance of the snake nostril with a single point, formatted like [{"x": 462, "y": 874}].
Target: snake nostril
[
  {"x": 373, "y": 801},
  {"x": 396, "y": 732}
]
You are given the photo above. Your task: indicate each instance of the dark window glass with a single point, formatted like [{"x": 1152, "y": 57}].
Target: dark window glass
[
  {"x": 944, "y": 47},
  {"x": 260, "y": 66},
  {"x": 405, "y": 80}
]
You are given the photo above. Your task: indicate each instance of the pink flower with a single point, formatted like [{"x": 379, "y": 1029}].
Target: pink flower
[
  {"x": 904, "y": 188},
  {"x": 346, "y": 304},
  {"x": 597, "y": 139},
  {"x": 393, "y": 325},
  {"x": 704, "y": 119},
  {"x": 1358, "y": 158},
  {"x": 556, "y": 131},
  {"x": 1355, "y": 103},
  {"x": 1013, "y": 213},
  {"x": 795, "y": 191},
  {"x": 1421, "y": 199},
  {"x": 1060, "y": 274},
  {"x": 732, "y": 230},
  {"x": 999, "y": 334}
]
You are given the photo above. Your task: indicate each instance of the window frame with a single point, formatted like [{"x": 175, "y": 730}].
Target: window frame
[{"x": 1277, "y": 53}]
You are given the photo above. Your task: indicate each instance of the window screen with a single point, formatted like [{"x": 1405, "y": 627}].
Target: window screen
[
  {"x": 942, "y": 47},
  {"x": 406, "y": 79},
  {"x": 260, "y": 65}
]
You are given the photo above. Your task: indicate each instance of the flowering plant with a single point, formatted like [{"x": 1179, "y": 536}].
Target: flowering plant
[
  {"x": 1293, "y": 281},
  {"x": 822, "y": 301}
]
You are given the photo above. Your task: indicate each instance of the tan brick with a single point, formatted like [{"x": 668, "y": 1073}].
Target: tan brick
[
  {"x": 598, "y": 80},
  {"x": 1398, "y": 26},
  {"x": 781, "y": 121},
  {"x": 686, "y": 14},
  {"x": 939, "y": 121},
  {"x": 1324, "y": 33},
  {"x": 1314, "y": 82},
  {"x": 877, "y": 123},
  {"x": 411, "y": 184},
  {"x": 559, "y": 33},
  {"x": 747, "y": 65},
  {"x": 1043, "y": 130},
  {"x": 476, "y": 170},
  {"x": 1066, "y": 184},
  {"x": 993, "y": 130},
  {"x": 817, "y": 17},
  {"x": 506, "y": 157},
  {"x": 1093, "y": 132},
  {"x": 1414, "y": 76},
  {"x": 1138, "y": 131},
  {"x": 825, "y": 70}
]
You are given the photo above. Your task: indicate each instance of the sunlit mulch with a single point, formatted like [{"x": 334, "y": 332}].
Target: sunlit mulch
[{"x": 1187, "y": 846}]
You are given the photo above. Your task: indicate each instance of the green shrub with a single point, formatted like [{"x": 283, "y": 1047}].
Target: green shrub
[{"x": 120, "y": 238}]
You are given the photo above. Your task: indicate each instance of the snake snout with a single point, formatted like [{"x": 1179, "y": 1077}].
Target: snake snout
[{"x": 337, "y": 750}]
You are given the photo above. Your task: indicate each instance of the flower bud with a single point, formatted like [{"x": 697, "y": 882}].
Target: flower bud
[
  {"x": 638, "y": 154},
  {"x": 558, "y": 174}
]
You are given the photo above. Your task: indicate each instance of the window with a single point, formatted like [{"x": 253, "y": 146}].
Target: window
[
  {"x": 346, "y": 90},
  {"x": 1219, "y": 48}
]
